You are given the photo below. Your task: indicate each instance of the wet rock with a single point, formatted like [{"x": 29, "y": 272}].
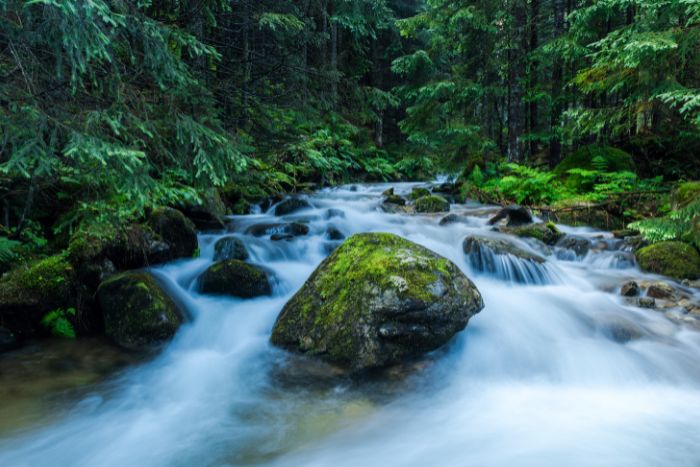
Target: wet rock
[
  {"x": 278, "y": 230},
  {"x": 332, "y": 233},
  {"x": 624, "y": 233},
  {"x": 643, "y": 302},
  {"x": 333, "y": 213},
  {"x": 432, "y": 203},
  {"x": 475, "y": 245},
  {"x": 578, "y": 245},
  {"x": 635, "y": 242},
  {"x": 137, "y": 311},
  {"x": 377, "y": 300},
  {"x": 515, "y": 215},
  {"x": 630, "y": 289},
  {"x": 547, "y": 233},
  {"x": 388, "y": 192},
  {"x": 505, "y": 261},
  {"x": 209, "y": 214},
  {"x": 8, "y": 341},
  {"x": 448, "y": 188},
  {"x": 673, "y": 259},
  {"x": 661, "y": 290},
  {"x": 235, "y": 278},
  {"x": 175, "y": 231},
  {"x": 230, "y": 248},
  {"x": 291, "y": 205},
  {"x": 450, "y": 219}
]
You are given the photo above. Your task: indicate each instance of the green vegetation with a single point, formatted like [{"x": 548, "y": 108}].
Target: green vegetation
[
  {"x": 58, "y": 323},
  {"x": 674, "y": 259}
]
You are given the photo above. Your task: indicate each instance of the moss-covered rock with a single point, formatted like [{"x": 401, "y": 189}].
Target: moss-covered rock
[
  {"x": 235, "y": 278},
  {"x": 544, "y": 232},
  {"x": 137, "y": 312},
  {"x": 394, "y": 199},
  {"x": 29, "y": 292},
  {"x": 593, "y": 157},
  {"x": 208, "y": 213},
  {"x": 375, "y": 301},
  {"x": 177, "y": 233},
  {"x": 418, "y": 192},
  {"x": 432, "y": 203},
  {"x": 673, "y": 259},
  {"x": 230, "y": 248},
  {"x": 579, "y": 245}
]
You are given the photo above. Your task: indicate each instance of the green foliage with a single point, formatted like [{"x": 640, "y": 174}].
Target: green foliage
[
  {"x": 58, "y": 322},
  {"x": 682, "y": 224}
]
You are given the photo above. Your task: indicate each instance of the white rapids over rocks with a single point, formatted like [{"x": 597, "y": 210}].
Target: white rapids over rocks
[{"x": 535, "y": 380}]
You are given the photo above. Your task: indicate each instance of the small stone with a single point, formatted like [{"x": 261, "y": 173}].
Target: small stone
[
  {"x": 291, "y": 205},
  {"x": 660, "y": 290},
  {"x": 646, "y": 302}
]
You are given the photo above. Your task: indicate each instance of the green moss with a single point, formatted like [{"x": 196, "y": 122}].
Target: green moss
[
  {"x": 673, "y": 259},
  {"x": 432, "y": 203},
  {"x": 50, "y": 279},
  {"x": 419, "y": 193},
  {"x": 547, "y": 233}
]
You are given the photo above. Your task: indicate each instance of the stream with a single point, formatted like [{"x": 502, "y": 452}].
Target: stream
[{"x": 536, "y": 379}]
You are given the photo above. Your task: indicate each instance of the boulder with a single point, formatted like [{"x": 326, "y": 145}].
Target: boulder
[
  {"x": 514, "y": 214},
  {"x": 291, "y": 205},
  {"x": 661, "y": 290},
  {"x": 289, "y": 230},
  {"x": 432, "y": 203},
  {"x": 137, "y": 311},
  {"x": 475, "y": 245},
  {"x": 450, "y": 219},
  {"x": 377, "y": 300},
  {"x": 394, "y": 199},
  {"x": 230, "y": 248},
  {"x": 177, "y": 233},
  {"x": 546, "y": 233},
  {"x": 332, "y": 233},
  {"x": 673, "y": 259},
  {"x": 418, "y": 192},
  {"x": 579, "y": 245},
  {"x": 29, "y": 292},
  {"x": 235, "y": 278},
  {"x": 630, "y": 289}
]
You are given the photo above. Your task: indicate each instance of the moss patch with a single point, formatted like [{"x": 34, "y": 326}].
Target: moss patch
[
  {"x": 673, "y": 259},
  {"x": 432, "y": 203},
  {"x": 419, "y": 193},
  {"x": 592, "y": 157},
  {"x": 547, "y": 233}
]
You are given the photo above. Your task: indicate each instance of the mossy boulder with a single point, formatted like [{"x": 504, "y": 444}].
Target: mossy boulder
[
  {"x": 544, "y": 232},
  {"x": 594, "y": 157},
  {"x": 418, "y": 192},
  {"x": 235, "y": 278},
  {"x": 432, "y": 203},
  {"x": 177, "y": 233},
  {"x": 207, "y": 213},
  {"x": 291, "y": 205},
  {"x": 394, "y": 199},
  {"x": 377, "y": 300},
  {"x": 475, "y": 245},
  {"x": 137, "y": 311},
  {"x": 30, "y": 291},
  {"x": 230, "y": 248},
  {"x": 673, "y": 259}
]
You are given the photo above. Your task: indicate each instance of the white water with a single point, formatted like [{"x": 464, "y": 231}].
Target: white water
[{"x": 534, "y": 379}]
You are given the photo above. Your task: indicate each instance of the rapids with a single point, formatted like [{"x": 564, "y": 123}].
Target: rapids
[{"x": 536, "y": 379}]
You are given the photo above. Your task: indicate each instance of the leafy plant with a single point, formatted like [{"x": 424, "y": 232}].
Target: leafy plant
[{"x": 58, "y": 323}]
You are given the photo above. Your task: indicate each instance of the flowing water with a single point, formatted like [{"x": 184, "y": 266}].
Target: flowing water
[{"x": 540, "y": 377}]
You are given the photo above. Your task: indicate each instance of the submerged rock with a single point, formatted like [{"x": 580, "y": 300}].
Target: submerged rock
[
  {"x": 332, "y": 233},
  {"x": 579, "y": 245},
  {"x": 235, "y": 278},
  {"x": 394, "y": 199},
  {"x": 630, "y": 289},
  {"x": 432, "y": 203},
  {"x": 673, "y": 259},
  {"x": 332, "y": 212},
  {"x": 291, "y": 205},
  {"x": 376, "y": 301},
  {"x": 279, "y": 230},
  {"x": 546, "y": 233},
  {"x": 230, "y": 248},
  {"x": 514, "y": 214},
  {"x": 137, "y": 311},
  {"x": 505, "y": 260}
]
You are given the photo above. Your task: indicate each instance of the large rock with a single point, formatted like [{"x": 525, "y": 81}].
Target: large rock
[
  {"x": 230, "y": 248},
  {"x": 30, "y": 291},
  {"x": 546, "y": 233},
  {"x": 418, "y": 192},
  {"x": 579, "y": 245},
  {"x": 375, "y": 301},
  {"x": 177, "y": 232},
  {"x": 137, "y": 312},
  {"x": 673, "y": 259},
  {"x": 476, "y": 245},
  {"x": 505, "y": 261},
  {"x": 515, "y": 216},
  {"x": 432, "y": 203},
  {"x": 208, "y": 213},
  {"x": 235, "y": 278},
  {"x": 291, "y": 205}
]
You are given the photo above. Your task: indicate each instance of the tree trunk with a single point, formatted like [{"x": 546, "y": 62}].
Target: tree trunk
[
  {"x": 516, "y": 65},
  {"x": 557, "y": 87},
  {"x": 534, "y": 65}
]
